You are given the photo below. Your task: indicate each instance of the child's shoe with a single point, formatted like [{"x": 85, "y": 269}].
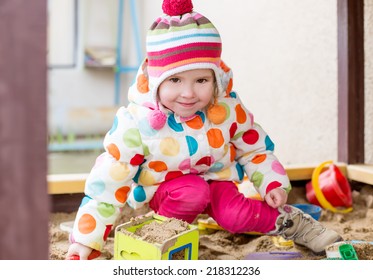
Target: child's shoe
[{"x": 304, "y": 230}]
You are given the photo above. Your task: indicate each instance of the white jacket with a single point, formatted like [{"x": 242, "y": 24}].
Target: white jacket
[{"x": 221, "y": 143}]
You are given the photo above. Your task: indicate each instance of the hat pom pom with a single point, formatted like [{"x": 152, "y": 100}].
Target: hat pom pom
[
  {"x": 177, "y": 7},
  {"x": 157, "y": 119}
]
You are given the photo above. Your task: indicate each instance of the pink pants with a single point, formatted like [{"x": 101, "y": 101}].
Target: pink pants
[{"x": 187, "y": 196}]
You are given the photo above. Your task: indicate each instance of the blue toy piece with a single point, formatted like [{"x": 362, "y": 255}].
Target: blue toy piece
[{"x": 313, "y": 210}]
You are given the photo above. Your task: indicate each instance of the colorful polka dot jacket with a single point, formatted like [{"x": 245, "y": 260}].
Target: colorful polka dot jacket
[{"x": 220, "y": 143}]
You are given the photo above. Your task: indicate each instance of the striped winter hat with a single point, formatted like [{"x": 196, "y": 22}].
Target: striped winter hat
[{"x": 181, "y": 40}]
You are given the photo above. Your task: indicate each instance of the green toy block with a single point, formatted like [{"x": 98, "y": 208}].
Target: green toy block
[
  {"x": 348, "y": 252},
  {"x": 128, "y": 246}
]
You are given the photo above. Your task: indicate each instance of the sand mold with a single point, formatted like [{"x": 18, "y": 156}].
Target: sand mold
[{"x": 159, "y": 232}]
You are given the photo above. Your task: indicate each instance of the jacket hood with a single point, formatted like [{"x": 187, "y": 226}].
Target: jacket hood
[{"x": 143, "y": 91}]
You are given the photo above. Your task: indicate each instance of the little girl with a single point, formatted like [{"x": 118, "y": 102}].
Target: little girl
[{"x": 183, "y": 142}]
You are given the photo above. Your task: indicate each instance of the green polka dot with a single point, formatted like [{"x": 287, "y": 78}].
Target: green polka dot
[
  {"x": 288, "y": 189},
  {"x": 257, "y": 178},
  {"x": 132, "y": 138},
  {"x": 105, "y": 209},
  {"x": 238, "y": 135},
  {"x": 145, "y": 149}
]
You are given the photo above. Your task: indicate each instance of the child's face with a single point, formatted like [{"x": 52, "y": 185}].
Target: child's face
[{"x": 187, "y": 92}]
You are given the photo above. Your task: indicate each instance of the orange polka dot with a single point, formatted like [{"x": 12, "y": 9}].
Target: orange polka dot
[
  {"x": 122, "y": 193},
  {"x": 142, "y": 84},
  {"x": 229, "y": 87},
  {"x": 233, "y": 153},
  {"x": 216, "y": 113},
  {"x": 114, "y": 151},
  {"x": 158, "y": 166},
  {"x": 86, "y": 224},
  {"x": 215, "y": 137},
  {"x": 224, "y": 66},
  {"x": 195, "y": 123},
  {"x": 240, "y": 114},
  {"x": 259, "y": 158}
]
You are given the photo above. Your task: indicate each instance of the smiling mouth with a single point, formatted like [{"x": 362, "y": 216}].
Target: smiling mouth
[{"x": 187, "y": 104}]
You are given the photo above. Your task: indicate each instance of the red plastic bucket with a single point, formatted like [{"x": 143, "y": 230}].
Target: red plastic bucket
[{"x": 334, "y": 186}]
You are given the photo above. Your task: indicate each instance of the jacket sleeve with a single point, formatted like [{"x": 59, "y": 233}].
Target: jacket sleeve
[
  {"x": 109, "y": 182},
  {"x": 254, "y": 151}
]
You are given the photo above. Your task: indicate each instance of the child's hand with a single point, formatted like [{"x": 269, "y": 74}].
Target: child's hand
[
  {"x": 79, "y": 251},
  {"x": 276, "y": 197}
]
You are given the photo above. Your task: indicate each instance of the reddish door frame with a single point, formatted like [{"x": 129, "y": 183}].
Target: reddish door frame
[{"x": 24, "y": 201}]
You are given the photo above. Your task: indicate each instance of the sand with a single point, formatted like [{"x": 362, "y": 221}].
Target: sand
[
  {"x": 159, "y": 232},
  {"x": 221, "y": 245}
]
